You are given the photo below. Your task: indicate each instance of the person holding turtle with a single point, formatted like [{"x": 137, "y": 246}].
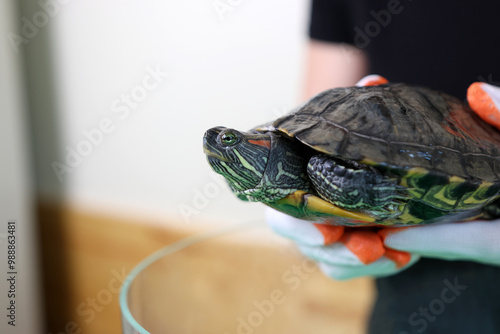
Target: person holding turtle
[
  {"x": 440, "y": 273},
  {"x": 451, "y": 282}
]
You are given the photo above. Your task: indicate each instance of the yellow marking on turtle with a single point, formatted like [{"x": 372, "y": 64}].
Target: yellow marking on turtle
[
  {"x": 281, "y": 172},
  {"x": 285, "y": 131},
  {"x": 456, "y": 179},
  {"x": 211, "y": 153},
  {"x": 416, "y": 170},
  {"x": 229, "y": 169},
  {"x": 472, "y": 200},
  {"x": 369, "y": 162},
  {"x": 319, "y": 205},
  {"x": 246, "y": 164},
  {"x": 440, "y": 194},
  {"x": 436, "y": 195},
  {"x": 325, "y": 179},
  {"x": 412, "y": 189},
  {"x": 406, "y": 217}
]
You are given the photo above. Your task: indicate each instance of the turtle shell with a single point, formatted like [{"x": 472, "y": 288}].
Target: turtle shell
[{"x": 447, "y": 157}]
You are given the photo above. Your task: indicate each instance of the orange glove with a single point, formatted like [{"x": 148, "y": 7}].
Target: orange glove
[{"x": 342, "y": 252}]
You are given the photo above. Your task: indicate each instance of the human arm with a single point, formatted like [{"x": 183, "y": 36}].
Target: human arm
[{"x": 331, "y": 65}]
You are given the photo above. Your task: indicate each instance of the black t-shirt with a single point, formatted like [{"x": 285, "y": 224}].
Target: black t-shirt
[{"x": 445, "y": 45}]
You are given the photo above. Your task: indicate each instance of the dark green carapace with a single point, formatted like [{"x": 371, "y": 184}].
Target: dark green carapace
[{"x": 382, "y": 155}]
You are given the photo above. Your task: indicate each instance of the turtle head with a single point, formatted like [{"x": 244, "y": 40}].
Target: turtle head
[
  {"x": 241, "y": 157},
  {"x": 257, "y": 166}
]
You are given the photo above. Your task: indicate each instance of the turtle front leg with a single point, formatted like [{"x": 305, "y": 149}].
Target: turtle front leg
[{"x": 354, "y": 186}]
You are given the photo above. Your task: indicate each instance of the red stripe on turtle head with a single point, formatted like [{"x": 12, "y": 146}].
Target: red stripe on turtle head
[{"x": 262, "y": 142}]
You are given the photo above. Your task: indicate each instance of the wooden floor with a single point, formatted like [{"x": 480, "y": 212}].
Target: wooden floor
[{"x": 220, "y": 285}]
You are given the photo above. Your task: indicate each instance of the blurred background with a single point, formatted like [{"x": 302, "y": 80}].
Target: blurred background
[{"x": 104, "y": 107}]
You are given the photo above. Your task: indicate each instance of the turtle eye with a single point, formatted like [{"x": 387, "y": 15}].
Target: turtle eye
[{"x": 229, "y": 138}]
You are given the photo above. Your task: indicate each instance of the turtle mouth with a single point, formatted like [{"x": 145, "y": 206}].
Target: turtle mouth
[{"x": 212, "y": 155}]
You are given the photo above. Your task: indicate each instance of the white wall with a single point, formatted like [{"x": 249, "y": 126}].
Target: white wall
[
  {"x": 16, "y": 196},
  {"x": 238, "y": 68}
]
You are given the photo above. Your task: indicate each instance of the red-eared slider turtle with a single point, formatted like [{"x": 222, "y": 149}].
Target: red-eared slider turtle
[{"x": 391, "y": 155}]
